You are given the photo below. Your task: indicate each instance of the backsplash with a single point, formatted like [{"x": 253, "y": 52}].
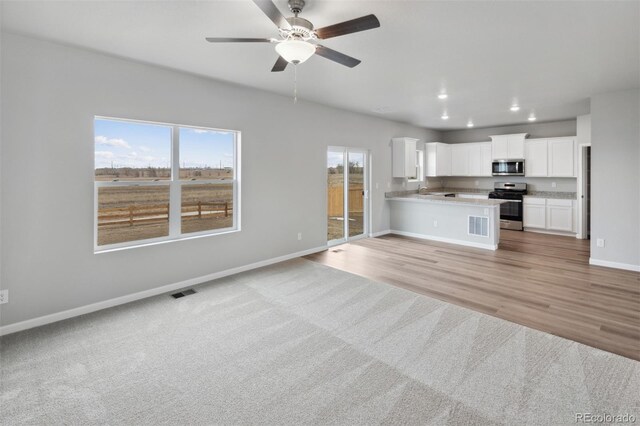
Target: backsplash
[{"x": 533, "y": 184}]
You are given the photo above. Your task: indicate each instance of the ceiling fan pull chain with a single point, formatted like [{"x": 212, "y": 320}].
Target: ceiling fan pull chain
[{"x": 295, "y": 83}]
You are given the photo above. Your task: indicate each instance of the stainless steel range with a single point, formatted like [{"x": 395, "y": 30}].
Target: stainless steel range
[{"x": 510, "y": 212}]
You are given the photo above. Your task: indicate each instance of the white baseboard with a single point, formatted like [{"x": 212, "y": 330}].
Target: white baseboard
[
  {"x": 546, "y": 231},
  {"x": 380, "y": 233},
  {"x": 74, "y": 312},
  {"x": 446, "y": 240},
  {"x": 616, "y": 265}
]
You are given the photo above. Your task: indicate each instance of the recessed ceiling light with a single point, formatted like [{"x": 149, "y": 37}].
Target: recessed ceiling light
[
  {"x": 532, "y": 117},
  {"x": 445, "y": 116},
  {"x": 443, "y": 96},
  {"x": 514, "y": 108},
  {"x": 470, "y": 123}
]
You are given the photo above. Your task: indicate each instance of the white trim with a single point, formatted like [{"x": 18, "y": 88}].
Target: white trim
[
  {"x": 445, "y": 240},
  {"x": 380, "y": 233},
  {"x": 546, "y": 231},
  {"x": 616, "y": 265},
  {"x": 580, "y": 184},
  {"x": 74, "y": 312}
]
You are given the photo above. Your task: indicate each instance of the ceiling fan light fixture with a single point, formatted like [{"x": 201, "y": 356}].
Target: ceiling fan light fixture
[{"x": 295, "y": 51}]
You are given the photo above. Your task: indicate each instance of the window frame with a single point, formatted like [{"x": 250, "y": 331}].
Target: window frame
[{"x": 175, "y": 190}]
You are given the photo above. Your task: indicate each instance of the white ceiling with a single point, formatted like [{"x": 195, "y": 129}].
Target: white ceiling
[{"x": 550, "y": 57}]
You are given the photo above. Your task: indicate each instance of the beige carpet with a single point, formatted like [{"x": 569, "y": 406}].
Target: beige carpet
[{"x": 301, "y": 343}]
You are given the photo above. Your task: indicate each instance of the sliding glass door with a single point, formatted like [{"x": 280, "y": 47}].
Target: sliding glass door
[{"x": 347, "y": 200}]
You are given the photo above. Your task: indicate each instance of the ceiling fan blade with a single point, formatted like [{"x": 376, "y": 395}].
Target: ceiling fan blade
[
  {"x": 338, "y": 57},
  {"x": 280, "y": 64},
  {"x": 353, "y": 26},
  {"x": 273, "y": 13},
  {"x": 237, "y": 40}
]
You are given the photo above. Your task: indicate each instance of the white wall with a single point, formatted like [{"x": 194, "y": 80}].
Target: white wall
[
  {"x": 536, "y": 130},
  {"x": 615, "y": 177},
  {"x": 50, "y": 95}
]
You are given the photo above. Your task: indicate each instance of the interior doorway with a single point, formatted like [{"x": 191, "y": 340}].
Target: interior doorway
[
  {"x": 584, "y": 191},
  {"x": 347, "y": 194}
]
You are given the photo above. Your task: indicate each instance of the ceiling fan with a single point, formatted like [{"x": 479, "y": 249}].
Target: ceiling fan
[{"x": 298, "y": 38}]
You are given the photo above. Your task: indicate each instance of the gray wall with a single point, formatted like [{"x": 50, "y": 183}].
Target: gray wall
[
  {"x": 535, "y": 130},
  {"x": 615, "y": 176},
  {"x": 50, "y": 95}
]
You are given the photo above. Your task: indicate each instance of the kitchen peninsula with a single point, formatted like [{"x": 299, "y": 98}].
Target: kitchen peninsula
[{"x": 471, "y": 222}]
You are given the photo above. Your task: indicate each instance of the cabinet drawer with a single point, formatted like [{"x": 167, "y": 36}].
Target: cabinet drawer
[
  {"x": 552, "y": 202},
  {"x": 534, "y": 201}
]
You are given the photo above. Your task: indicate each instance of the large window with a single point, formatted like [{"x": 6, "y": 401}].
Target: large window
[{"x": 159, "y": 182}]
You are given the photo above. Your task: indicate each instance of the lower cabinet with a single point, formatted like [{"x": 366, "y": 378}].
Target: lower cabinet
[
  {"x": 560, "y": 215},
  {"x": 550, "y": 214},
  {"x": 534, "y": 213}
]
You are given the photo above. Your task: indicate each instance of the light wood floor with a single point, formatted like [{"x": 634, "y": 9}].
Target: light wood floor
[{"x": 537, "y": 280}]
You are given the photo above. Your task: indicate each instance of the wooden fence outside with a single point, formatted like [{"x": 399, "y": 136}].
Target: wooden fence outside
[
  {"x": 160, "y": 212},
  {"x": 335, "y": 200}
]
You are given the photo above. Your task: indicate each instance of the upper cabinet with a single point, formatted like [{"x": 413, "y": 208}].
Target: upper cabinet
[
  {"x": 508, "y": 147},
  {"x": 460, "y": 159},
  {"x": 535, "y": 157},
  {"x": 553, "y": 157},
  {"x": 561, "y": 157},
  {"x": 404, "y": 158},
  {"x": 438, "y": 159}
]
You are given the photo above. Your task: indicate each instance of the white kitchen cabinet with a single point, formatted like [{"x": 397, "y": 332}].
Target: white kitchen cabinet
[
  {"x": 534, "y": 213},
  {"x": 561, "y": 154},
  {"x": 560, "y": 215},
  {"x": 474, "y": 154},
  {"x": 549, "y": 213},
  {"x": 460, "y": 159},
  {"x": 438, "y": 159},
  {"x": 508, "y": 147},
  {"x": 535, "y": 157},
  {"x": 485, "y": 155},
  {"x": 404, "y": 158}
]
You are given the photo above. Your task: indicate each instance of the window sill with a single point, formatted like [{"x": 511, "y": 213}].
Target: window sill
[{"x": 165, "y": 241}]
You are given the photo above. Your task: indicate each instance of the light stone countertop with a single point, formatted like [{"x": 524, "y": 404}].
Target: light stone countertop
[
  {"x": 552, "y": 194},
  {"x": 439, "y": 199}
]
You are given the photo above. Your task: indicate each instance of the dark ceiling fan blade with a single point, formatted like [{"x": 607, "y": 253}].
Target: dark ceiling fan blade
[
  {"x": 353, "y": 26},
  {"x": 273, "y": 13},
  {"x": 338, "y": 57},
  {"x": 237, "y": 40},
  {"x": 280, "y": 64}
]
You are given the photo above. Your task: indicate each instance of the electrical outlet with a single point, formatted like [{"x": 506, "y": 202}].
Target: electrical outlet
[
  {"x": 4, "y": 296},
  {"x": 299, "y": 236},
  {"x": 600, "y": 242},
  {"x": 553, "y": 184},
  {"x": 435, "y": 223}
]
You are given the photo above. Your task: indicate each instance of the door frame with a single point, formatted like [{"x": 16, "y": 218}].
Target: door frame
[
  {"x": 581, "y": 183},
  {"x": 366, "y": 203}
]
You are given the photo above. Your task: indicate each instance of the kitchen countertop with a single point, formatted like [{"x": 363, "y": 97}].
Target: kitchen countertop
[
  {"x": 439, "y": 199},
  {"x": 553, "y": 195}
]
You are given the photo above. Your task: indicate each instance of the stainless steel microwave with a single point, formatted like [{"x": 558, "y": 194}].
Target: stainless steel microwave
[{"x": 507, "y": 168}]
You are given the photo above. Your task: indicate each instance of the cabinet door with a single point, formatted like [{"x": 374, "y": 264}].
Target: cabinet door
[
  {"x": 534, "y": 214},
  {"x": 560, "y": 215},
  {"x": 404, "y": 157},
  {"x": 561, "y": 157},
  {"x": 485, "y": 153},
  {"x": 443, "y": 158},
  {"x": 474, "y": 153},
  {"x": 515, "y": 147},
  {"x": 535, "y": 157},
  {"x": 500, "y": 148},
  {"x": 460, "y": 160}
]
